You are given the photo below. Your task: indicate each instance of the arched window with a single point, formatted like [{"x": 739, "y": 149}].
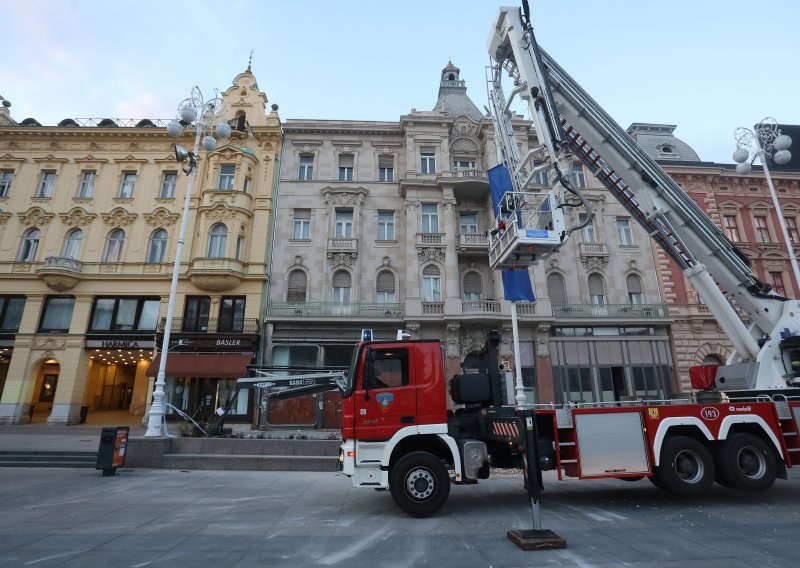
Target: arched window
[
  {"x": 30, "y": 244},
  {"x": 556, "y": 290},
  {"x": 385, "y": 288},
  {"x": 296, "y": 289},
  {"x": 634, "y": 284},
  {"x": 472, "y": 287},
  {"x": 217, "y": 240},
  {"x": 158, "y": 245},
  {"x": 597, "y": 295},
  {"x": 431, "y": 284},
  {"x": 114, "y": 243},
  {"x": 341, "y": 287},
  {"x": 72, "y": 244}
]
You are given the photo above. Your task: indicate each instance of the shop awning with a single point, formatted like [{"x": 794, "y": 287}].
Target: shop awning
[{"x": 213, "y": 365}]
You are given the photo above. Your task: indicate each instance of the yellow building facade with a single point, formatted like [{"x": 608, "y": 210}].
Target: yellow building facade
[{"x": 89, "y": 222}]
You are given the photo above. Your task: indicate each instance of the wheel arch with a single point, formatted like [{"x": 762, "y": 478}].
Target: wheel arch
[
  {"x": 682, "y": 426},
  {"x": 423, "y": 439},
  {"x": 757, "y": 427}
]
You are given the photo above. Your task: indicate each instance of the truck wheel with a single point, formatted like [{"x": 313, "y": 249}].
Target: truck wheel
[
  {"x": 686, "y": 469},
  {"x": 746, "y": 462},
  {"x": 419, "y": 483}
]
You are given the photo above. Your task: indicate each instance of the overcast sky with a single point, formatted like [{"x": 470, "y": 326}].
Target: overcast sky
[{"x": 707, "y": 66}]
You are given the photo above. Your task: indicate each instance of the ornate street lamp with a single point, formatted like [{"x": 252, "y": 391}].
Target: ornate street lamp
[
  {"x": 208, "y": 118},
  {"x": 766, "y": 141}
]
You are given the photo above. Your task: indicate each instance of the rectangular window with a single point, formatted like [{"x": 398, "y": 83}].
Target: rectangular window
[
  {"x": 776, "y": 279},
  {"x": 46, "y": 184},
  {"x": 86, "y": 188},
  {"x": 57, "y": 314},
  {"x": 431, "y": 288},
  {"x": 127, "y": 185},
  {"x": 124, "y": 314},
  {"x": 385, "y": 168},
  {"x": 385, "y": 225},
  {"x": 540, "y": 178},
  {"x": 577, "y": 176},
  {"x": 389, "y": 369},
  {"x": 346, "y": 163},
  {"x": 195, "y": 314},
  {"x": 306, "y": 167},
  {"x": 468, "y": 223},
  {"x": 427, "y": 161},
  {"x": 168, "y": 183},
  {"x": 6, "y": 177},
  {"x": 227, "y": 173},
  {"x": 231, "y": 315},
  {"x": 430, "y": 218},
  {"x": 301, "y": 229},
  {"x": 239, "y": 247},
  {"x": 624, "y": 232},
  {"x": 344, "y": 225},
  {"x": 11, "y": 308},
  {"x": 587, "y": 233},
  {"x": 762, "y": 230},
  {"x": 791, "y": 228},
  {"x": 731, "y": 228},
  {"x": 246, "y": 185},
  {"x": 464, "y": 164}
]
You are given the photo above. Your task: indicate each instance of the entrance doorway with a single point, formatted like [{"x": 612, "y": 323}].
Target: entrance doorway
[
  {"x": 44, "y": 392},
  {"x": 114, "y": 389}
]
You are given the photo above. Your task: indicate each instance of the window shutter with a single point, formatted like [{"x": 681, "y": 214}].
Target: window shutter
[
  {"x": 297, "y": 286},
  {"x": 386, "y": 161},
  {"x": 595, "y": 285},
  {"x": 385, "y": 282},
  {"x": 302, "y": 213},
  {"x": 341, "y": 279},
  {"x": 472, "y": 283},
  {"x": 346, "y": 160},
  {"x": 430, "y": 270},
  {"x": 555, "y": 289},
  {"x": 634, "y": 284}
]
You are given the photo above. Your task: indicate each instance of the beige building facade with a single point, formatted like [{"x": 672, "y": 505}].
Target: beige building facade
[{"x": 88, "y": 231}]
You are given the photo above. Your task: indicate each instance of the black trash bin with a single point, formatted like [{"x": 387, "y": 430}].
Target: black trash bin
[{"x": 111, "y": 453}]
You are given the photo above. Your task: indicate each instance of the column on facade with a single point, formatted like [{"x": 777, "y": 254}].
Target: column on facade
[
  {"x": 413, "y": 295},
  {"x": 452, "y": 303}
]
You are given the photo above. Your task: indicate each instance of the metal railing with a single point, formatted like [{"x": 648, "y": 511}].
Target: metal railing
[
  {"x": 611, "y": 310},
  {"x": 333, "y": 309},
  {"x": 210, "y": 325},
  {"x": 64, "y": 263}
]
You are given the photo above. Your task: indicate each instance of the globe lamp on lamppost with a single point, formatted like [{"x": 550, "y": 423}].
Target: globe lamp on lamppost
[
  {"x": 208, "y": 118},
  {"x": 766, "y": 141}
]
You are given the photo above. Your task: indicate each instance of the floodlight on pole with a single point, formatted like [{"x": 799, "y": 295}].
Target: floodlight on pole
[
  {"x": 766, "y": 141},
  {"x": 205, "y": 115}
]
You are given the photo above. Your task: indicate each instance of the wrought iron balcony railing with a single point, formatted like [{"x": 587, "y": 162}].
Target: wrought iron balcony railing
[
  {"x": 210, "y": 325},
  {"x": 333, "y": 309},
  {"x": 611, "y": 310}
]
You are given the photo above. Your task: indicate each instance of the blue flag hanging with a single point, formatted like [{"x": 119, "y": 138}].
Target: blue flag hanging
[{"x": 516, "y": 283}]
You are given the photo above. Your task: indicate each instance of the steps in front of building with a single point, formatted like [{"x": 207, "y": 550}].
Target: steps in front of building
[
  {"x": 42, "y": 458},
  {"x": 234, "y": 454}
]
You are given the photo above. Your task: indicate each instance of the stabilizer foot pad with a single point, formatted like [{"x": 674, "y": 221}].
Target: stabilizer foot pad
[{"x": 536, "y": 540}]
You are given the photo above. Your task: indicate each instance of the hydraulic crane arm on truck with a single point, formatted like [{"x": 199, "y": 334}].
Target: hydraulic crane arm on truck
[{"x": 570, "y": 124}]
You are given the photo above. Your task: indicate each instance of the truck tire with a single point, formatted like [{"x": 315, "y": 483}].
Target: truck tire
[
  {"x": 687, "y": 467},
  {"x": 419, "y": 483},
  {"x": 746, "y": 462}
]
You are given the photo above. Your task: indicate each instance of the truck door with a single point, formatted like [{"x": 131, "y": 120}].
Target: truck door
[{"x": 386, "y": 400}]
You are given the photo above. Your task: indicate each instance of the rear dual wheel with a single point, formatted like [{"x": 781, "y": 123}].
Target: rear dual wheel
[
  {"x": 746, "y": 462},
  {"x": 686, "y": 468}
]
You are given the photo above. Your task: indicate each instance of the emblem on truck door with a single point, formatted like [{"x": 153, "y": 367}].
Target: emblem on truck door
[{"x": 385, "y": 400}]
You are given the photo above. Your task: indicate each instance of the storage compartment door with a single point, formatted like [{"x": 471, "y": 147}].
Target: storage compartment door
[{"x": 610, "y": 443}]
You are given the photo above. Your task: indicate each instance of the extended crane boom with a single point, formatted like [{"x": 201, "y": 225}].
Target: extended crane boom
[{"x": 570, "y": 124}]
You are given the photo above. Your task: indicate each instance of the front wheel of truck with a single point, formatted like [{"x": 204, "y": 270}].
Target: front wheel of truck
[{"x": 419, "y": 483}]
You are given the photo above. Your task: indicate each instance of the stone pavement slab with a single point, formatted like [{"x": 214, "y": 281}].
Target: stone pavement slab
[{"x": 138, "y": 518}]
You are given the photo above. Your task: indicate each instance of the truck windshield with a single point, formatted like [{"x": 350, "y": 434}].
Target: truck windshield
[{"x": 352, "y": 370}]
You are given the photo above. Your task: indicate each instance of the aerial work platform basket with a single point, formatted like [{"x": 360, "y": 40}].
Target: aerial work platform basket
[{"x": 527, "y": 228}]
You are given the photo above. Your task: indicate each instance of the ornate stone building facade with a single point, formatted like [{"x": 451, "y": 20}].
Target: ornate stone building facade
[
  {"x": 89, "y": 226},
  {"x": 383, "y": 226},
  {"x": 743, "y": 208}
]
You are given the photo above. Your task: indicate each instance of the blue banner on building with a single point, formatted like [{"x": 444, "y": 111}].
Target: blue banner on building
[{"x": 516, "y": 283}]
